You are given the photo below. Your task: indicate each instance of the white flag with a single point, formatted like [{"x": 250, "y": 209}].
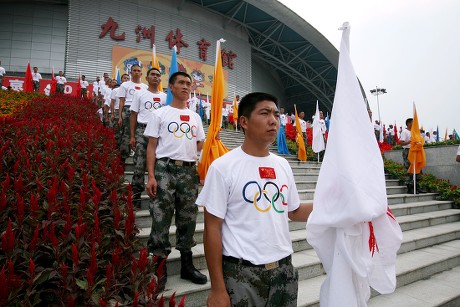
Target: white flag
[
  {"x": 318, "y": 137},
  {"x": 351, "y": 228}
]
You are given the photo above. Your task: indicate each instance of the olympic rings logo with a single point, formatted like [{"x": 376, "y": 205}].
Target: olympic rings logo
[
  {"x": 258, "y": 195},
  {"x": 179, "y": 130},
  {"x": 150, "y": 106}
]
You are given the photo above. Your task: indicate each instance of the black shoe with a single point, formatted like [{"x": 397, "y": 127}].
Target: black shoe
[{"x": 188, "y": 270}]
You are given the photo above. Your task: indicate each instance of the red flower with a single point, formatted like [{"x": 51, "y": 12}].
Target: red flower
[
  {"x": 53, "y": 238},
  {"x": 97, "y": 229},
  {"x": 113, "y": 197},
  {"x": 19, "y": 185},
  {"x": 143, "y": 259},
  {"x": 8, "y": 238},
  {"x": 31, "y": 270},
  {"x": 20, "y": 207},
  {"x": 74, "y": 255},
  {"x": 33, "y": 242},
  {"x": 108, "y": 276},
  {"x": 3, "y": 287},
  {"x": 34, "y": 205},
  {"x": 64, "y": 271},
  {"x": 136, "y": 299},
  {"x": 134, "y": 267},
  {"x": 6, "y": 182},
  {"x": 2, "y": 200},
  {"x": 172, "y": 301},
  {"x": 182, "y": 302},
  {"x": 89, "y": 277}
]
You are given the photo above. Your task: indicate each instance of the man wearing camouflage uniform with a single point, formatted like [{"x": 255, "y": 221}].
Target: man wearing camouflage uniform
[
  {"x": 249, "y": 196},
  {"x": 175, "y": 136},
  {"x": 126, "y": 93},
  {"x": 143, "y": 104}
]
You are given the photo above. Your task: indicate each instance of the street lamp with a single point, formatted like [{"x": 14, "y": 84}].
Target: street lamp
[{"x": 376, "y": 92}]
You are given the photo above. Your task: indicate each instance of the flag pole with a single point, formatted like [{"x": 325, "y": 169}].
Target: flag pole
[{"x": 415, "y": 187}]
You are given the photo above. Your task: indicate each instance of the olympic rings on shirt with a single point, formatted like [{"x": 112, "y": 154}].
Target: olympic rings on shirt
[
  {"x": 152, "y": 105},
  {"x": 258, "y": 195},
  {"x": 184, "y": 128}
]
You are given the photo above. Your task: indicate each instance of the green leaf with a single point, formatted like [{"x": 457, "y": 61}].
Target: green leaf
[{"x": 82, "y": 284}]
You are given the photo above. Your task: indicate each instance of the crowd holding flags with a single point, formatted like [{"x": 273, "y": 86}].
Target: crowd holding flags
[
  {"x": 351, "y": 206},
  {"x": 213, "y": 147}
]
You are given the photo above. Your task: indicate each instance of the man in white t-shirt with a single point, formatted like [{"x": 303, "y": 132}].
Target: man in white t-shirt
[
  {"x": 126, "y": 93},
  {"x": 249, "y": 196},
  {"x": 96, "y": 89},
  {"x": 60, "y": 83},
  {"x": 224, "y": 123},
  {"x": 176, "y": 136},
  {"x": 144, "y": 103},
  {"x": 84, "y": 86},
  {"x": 106, "y": 94},
  {"x": 114, "y": 107},
  {"x": 36, "y": 77},
  {"x": 404, "y": 141},
  {"x": 303, "y": 126}
]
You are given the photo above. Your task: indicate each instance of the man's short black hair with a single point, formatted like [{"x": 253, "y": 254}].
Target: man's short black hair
[
  {"x": 134, "y": 65},
  {"x": 173, "y": 77},
  {"x": 153, "y": 68},
  {"x": 409, "y": 121},
  {"x": 248, "y": 103}
]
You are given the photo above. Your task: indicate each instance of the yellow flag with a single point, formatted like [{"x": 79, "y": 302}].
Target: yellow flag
[
  {"x": 301, "y": 152},
  {"x": 235, "y": 110},
  {"x": 213, "y": 147},
  {"x": 416, "y": 154},
  {"x": 156, "y": 65},
  {"x": 445, "y": 136}
]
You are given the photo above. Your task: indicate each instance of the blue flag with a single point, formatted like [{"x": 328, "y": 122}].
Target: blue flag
[
  {"x": 201, "y": 108},
  {"x": 327, "y": 121},
  {"x": 455, "y": 134},
  {"x": 118, "y": 76},
  {"x": 173, "y": 68},
  {"x": 437, "y": 134}
]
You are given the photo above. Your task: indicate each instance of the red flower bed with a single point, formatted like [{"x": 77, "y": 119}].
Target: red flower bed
[{"x": 68, "y": 225}]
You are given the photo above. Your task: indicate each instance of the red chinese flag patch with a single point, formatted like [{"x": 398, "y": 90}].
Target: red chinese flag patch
[
  {"x": 267, "y": 172},
  {"x": 137, "y": 87},
  {"x": 185, "y": 118}
]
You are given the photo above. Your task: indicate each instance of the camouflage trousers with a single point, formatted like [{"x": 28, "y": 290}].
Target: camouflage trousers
[
  {"x": 125, "y": 133},
  {"x": 140, "y": 166},
  {"x": 258, "y": 286},
  {"x": 116, "y": 129},
  {"x": 176, "y": 194},
  {"x": 409, "y": 176}
]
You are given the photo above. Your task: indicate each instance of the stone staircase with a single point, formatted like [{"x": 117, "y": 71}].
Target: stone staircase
[{"x": 428, "y": 262}]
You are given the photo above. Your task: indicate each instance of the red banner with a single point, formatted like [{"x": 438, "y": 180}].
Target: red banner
[{"x": 17, "y": 84}]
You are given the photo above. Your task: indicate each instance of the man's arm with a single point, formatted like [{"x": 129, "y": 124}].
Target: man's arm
[
  {"x": 212, "y": 239},
  {"x": 301, "y": 213},
  {"x": 151, "y": 186},
  {"x": 199, "y": 146},
  {"x": 120, "y": 111},
  {"x": 112, "y": 109},
  {"x": 132, "y": 129}
]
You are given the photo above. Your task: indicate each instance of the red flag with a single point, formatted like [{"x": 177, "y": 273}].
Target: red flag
[
  {"x": 396, "y": 134},
  {"x": 78, "y": 91},
  {"x": 53, "y": 83},
  {"x": 28, "y": 83}
]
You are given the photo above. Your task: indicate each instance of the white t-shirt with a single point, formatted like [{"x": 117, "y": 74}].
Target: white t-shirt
[
  {"x": 193, "y": 103},
  {"x": 107, "y": 95},
  {"x": 36, "y": 76},
  {"x": 303, "y": 125},
  {"x": 127, "y": 90},
  {"x": 405, "y": 136},
  {"x": 253, "y": 229},
  {"x": 177, "y": 131},
  {"x": 61, "y": 80},
  {"x": 283, "y": 119},
  {"x": 95, "y": 87},
  {"x": 2, "y": 71},
  {"x": 145, "y": 102},
  {"x": 84, "y": 84},
  {"x": 113, "y": 96},
  {"x": 224, "y": 112}
]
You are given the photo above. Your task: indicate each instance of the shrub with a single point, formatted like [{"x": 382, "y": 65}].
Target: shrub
[{"x": 69, "y": 226}]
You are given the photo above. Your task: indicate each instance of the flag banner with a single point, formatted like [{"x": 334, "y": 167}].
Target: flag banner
[
  {"x": 416, "y": 154},
  {"x": 396, "y": 134},
  {"x": 437, "y": 133},
  {"x": 281, "y": 140},
  {"x": 327, "y": 120},
  {"x": 54, "y": 83},
  {"x": 78, "y": 91},
  {"x": 28, "y": 82},
  {"x": 446, "y": 137},
  {"x": 235, "y": 110},
  {"x": 455, "y": 135},
  {"x": 118, "y": 76},
  {"x": 156, "y": 65},
  {"x": 213, "y": 147},
  {"x": 172, "y": 69},
  {"x": 301, "y": 149},
  {"x": 318, "y": 137},
  {"x": 351, "y": 227}
]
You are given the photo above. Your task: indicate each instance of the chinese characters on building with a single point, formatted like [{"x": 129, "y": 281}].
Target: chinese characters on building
[{"x": 173, "y": 38}]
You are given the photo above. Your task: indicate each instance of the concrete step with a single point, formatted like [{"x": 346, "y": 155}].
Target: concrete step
[{"x": 411, "y": 267}]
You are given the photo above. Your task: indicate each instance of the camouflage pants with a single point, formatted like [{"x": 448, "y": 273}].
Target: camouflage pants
[
  {"x": 125, "y": 133},
  {"x": 140, "y": 153},
  {"x": 116, "y": 129},
  {"x": 409, "y": 176},
  {"x": 176, "y": 194},
  {"x": 36, "y": 86},
  {"x": 257, "y": 286}
]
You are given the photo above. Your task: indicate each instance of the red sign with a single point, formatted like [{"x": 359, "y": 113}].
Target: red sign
[{"x": 17, "y": 84}]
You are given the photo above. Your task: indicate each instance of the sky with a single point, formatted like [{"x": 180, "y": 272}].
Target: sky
[{"x": 409, "y": 47}]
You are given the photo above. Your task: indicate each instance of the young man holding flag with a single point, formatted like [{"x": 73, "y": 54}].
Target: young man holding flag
[{"x": 249, "y": 196}]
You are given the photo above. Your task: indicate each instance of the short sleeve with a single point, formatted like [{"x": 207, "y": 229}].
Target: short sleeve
[
  {"x": 153, "y": 126},
  {"x": 214, "y": 195}
]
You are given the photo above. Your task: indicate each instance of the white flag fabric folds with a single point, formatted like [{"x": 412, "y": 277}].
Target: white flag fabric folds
[
  {"x": 351, "y": 227},
  {"x": 318, "y": 138}
]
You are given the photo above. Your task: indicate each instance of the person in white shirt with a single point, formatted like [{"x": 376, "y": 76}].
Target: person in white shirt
[
  {"x": 101, "y": 86},
  {"x": 60, "y": 83},
  {"x": 249, "y": 193},
  {"x": 106, "y": 95},
  {"x": 377, "y": 130},
  {"x": 126, "y": 93},
  {"x": 144, "y": 103},
  {"x": 428, "y": 138},
  {"x": 36, "y": 77},
  {"x": 176, "y": 136},
  {"x": 96, "y": 89},
  {"x": 303, "y": 126},
  {"x": 84, "y": 86},
  {"x": 193, "y": 103},
  {"x": 2, "y": 73},
  {"x": 224, "y": 123},
  {"x": 404, "y": 141}
]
